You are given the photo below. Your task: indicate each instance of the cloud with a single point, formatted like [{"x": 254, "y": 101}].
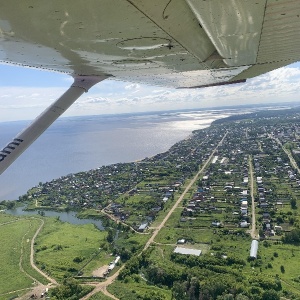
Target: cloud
[
  {"x": 111, "y": 96},
  {"x": 132, "y": 86}
]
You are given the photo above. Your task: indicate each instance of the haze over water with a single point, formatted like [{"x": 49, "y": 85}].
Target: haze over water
[{"x": 82, "y": 143}]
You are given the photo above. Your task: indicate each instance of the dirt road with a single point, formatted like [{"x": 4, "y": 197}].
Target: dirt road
[
  {"x": 288, "y": 153},
  {"x": 253, "y": 231},
  {"x": 156, "y": 231},
  {"x": 53, "y": 281},
  {"x": 101, "y": 287}
]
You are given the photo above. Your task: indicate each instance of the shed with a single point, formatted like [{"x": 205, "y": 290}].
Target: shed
[
  {"x": 181, "y": 241},
  {"x": 254, "y": 248},
  {"x": 188, "y": 251}
]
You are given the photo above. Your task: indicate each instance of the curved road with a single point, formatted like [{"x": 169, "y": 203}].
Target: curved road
[{"x": 53, "y": 281}]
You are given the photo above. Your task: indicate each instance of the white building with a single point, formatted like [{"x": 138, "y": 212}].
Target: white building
[
  {"x": 187, "y": 251},
  {"x": 254, "y": 249}
]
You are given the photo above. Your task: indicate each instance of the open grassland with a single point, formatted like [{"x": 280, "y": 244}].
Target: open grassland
[
  {"x": 63, "y": 249},
  {"x": 277, "y": 259},
  {"x": 16, "y": 273}
]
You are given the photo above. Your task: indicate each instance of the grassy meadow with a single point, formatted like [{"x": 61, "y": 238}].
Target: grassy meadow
[
  {"x": 16, "y": 273},
  {"x": 63, "y": 249}
]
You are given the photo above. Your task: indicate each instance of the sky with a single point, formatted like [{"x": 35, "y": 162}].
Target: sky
[{"x": 26, "y": 92}]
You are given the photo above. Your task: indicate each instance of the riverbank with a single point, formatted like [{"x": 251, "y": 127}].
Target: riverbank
[{"x": 73, "y": 145}]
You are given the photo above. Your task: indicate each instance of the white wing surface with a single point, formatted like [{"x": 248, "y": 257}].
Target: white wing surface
[{"x": 174, "y": 43}]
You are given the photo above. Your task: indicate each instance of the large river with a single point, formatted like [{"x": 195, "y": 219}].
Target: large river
[{"x": 83, "y": 143}]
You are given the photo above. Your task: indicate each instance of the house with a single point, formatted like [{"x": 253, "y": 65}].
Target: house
[
  {"x": 142, "y": 227},
  {"x": 244, "y": 192},
  {"x": 244, "y": 224},
  {"x": 216, "y": 223},
  {"x": 264, "y": 205},
  {"x": 244, "y": 204},
  {"x": 244, "y": 211}
]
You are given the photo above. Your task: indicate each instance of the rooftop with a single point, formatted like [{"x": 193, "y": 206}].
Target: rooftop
[{"x": 187, "y": 251}]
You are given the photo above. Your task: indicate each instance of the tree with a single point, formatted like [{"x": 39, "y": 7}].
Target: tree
[
  {"x": 241, "y": 297},
  {"x": 292, "y": 237},
  {"x": 110, "y": 236},
  {"x": 270, "y": 295},
  {"x": 179, "y": 291},
  {"x": 10, "y": 204},
  {"x": 70, "y": 289},
  {"x": 293, "y": 203}
]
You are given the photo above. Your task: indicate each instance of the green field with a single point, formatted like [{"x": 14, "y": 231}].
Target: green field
[
  {"x": 15, "y": 272},
  {"x": 63, "y": 249}
]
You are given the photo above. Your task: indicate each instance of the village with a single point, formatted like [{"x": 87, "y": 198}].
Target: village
[
  {"x": 136, "y": 192},
  {"x": 223, "y": 201}
]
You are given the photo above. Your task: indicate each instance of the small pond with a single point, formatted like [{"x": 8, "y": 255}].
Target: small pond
[{"x": 69, "y": 217}]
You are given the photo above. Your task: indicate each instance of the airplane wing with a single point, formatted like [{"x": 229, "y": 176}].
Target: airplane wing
[{"x": 172, "y": 43}]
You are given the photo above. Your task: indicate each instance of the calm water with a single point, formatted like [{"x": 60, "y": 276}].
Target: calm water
[
  {"x": 69, "y": 217},
  {"x": 83, "y": 143}
]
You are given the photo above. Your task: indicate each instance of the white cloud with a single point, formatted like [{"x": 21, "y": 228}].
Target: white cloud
[
  {"x": 132, "y": 86},
  {"x": 118, "y": 97}
]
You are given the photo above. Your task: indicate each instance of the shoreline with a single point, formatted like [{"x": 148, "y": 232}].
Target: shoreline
[
  {"x": 187, "y": 136},
  {"x": 12, "y": 178}
]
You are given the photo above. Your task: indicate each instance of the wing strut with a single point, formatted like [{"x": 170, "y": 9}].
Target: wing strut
[{"x": 24, "y": 139}]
